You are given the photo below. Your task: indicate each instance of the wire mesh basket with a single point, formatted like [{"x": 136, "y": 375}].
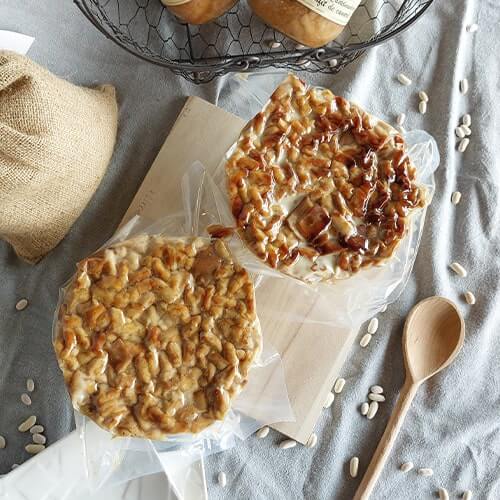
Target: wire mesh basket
[{"x": 239, "y": 41}]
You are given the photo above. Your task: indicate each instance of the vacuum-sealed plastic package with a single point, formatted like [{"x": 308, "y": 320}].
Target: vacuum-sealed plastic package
[
  {"x": 160, "y": 345},
  {"x": 176, "y": 410},
  {"x": 321, "y": 191}
]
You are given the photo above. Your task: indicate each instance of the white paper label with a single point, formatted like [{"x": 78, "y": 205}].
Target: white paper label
[
  {"x": 16, "y": 42},
  {"x": 337, "y": 11}
]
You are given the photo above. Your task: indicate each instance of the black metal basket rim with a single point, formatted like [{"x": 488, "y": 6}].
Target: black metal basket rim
[{"x": 321, "y": 54}]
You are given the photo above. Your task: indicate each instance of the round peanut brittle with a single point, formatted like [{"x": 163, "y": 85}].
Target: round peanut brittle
[
  {"x": 156, "y": 336},
  {"x": 319, "y": 188}
]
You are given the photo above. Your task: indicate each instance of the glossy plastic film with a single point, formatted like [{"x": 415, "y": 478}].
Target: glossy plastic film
[
  {"x": 351, "y": 300},
  {"x": 262, "y": 400}
]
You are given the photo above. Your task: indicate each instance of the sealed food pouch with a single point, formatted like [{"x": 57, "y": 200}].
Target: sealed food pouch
[
  {"x": 157, "y": 336},
  {"x": 310, "y": 22},
  {"x": 198, "y": 11},
  {"x": 321, "y": 191}
]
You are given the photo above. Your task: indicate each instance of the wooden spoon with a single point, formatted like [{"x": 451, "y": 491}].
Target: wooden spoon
[{"x": 433, "y": 336}]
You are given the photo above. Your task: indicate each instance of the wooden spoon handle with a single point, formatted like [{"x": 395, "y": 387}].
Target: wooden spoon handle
[{"x": 386, "y": 442}]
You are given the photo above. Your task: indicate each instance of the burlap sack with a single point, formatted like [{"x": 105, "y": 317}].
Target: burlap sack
[{"x": 56, "y": 140}]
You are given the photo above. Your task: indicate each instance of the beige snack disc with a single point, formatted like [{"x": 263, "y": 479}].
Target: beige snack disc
[
  {"x": 319, "y": 188},
  {"x": 156, "y": 336}
]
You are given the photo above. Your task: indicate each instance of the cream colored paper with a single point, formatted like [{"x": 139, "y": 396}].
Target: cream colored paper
[
  {"x": 312, "y": 353},
  {"x": 17, "y": 42},
  {"x": 337, "y": 11}
]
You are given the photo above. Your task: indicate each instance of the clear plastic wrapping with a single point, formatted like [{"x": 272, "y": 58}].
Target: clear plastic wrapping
[
  {"x": 310, "y": 23},
  {"x": 342, "y": 305},
  {"x": 346, "y": 302},
  {"x": 262, "y": 401}
]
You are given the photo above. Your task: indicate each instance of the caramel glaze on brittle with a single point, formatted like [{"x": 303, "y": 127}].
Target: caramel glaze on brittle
[
  {"x": 319, "y": 188},
  {"x": 156, "y": 336}
]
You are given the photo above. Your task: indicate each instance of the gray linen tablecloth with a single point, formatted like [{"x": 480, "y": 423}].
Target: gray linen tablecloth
[{"x": 454, "y": 423}]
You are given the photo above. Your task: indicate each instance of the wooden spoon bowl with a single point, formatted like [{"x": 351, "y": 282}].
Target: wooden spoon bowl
[{"x": 433, "y": 335}]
